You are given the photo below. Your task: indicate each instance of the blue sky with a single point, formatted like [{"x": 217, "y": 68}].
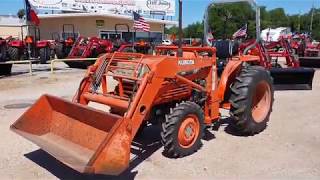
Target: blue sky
[{"x": 194, "y": 9}]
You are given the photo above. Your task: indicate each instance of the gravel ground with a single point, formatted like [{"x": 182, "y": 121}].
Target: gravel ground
[{"x": 287, "y": 149}]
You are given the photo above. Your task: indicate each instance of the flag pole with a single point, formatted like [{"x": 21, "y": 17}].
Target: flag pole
[
  {"x": 312, "y": 14},
  {"x": 180, "y": 51},
  {"x": 25, "y": 11},
  {"x": 25, "y": 20}
]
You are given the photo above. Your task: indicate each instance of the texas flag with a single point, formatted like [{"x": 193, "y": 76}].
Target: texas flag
[{"x": 31, "y": 14}]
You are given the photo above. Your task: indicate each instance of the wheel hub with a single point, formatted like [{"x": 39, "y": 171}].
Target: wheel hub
[
  {"x": 261, "y": 102},
  {"x": 188, "y": 131}
]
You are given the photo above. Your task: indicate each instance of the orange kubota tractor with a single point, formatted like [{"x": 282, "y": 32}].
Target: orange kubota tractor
[{"x": 179, "y": 87}]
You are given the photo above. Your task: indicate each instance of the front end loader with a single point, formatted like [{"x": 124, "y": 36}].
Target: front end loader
[
  {"x": 178, "y": 88},
  {"x": 288, "y": 75},
  {"x": 186, "y": 97},
  {"x": 84, "y": 47}
]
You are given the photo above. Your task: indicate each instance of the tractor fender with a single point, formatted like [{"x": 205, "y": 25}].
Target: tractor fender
[
  {"x": 228, "y": 76},
  {"x": 42, "y": 44},
  {"x": 16, "y": 43}
]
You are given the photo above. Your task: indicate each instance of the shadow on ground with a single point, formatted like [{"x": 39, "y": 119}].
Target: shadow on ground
[
  {"x": 45, "y": 69},
  {"x": 142, "y": 148},
  {"x": 228, "y": 125}
]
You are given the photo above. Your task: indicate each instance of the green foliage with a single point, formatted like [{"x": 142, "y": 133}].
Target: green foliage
[
  {"x": 21, "y": 13},
  {"x": 225, "y": 19},
  {"x": 278, "y": 18},
  {"x": 194, "y": 30},
  {"x": 171, "y": 30}
]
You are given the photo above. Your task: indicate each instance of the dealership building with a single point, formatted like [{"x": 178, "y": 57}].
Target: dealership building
[
  {"x": 106, "y": 19},
  {"x": 85, "y": 24},
  {"x": 106, "y": 26},
  {"x": 11, "y": 26}
]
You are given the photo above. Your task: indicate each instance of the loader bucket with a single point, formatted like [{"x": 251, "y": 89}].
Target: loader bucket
[
  {"x": 292, "y": 78},
  {"x": 310, "y": 62},
  {"x": 85, "y": 139}
]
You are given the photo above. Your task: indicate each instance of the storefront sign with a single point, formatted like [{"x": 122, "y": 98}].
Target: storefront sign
[
  {"x": 144, "y": 7},
  {"x": 99, "y": 23}
]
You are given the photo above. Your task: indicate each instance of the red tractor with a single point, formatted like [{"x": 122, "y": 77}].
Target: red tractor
[
  {"x": 137, "y": 47},
  {"x": 308, "y": 51},
  {"x": 31, "y": 47},
  {"x": 127, "y": 46},
  {"x": 91, "y": 47},
  {"x": 289, "y": 76},
  {"x": 5, "y": 69},
  {"x": 63, "y": 46}
]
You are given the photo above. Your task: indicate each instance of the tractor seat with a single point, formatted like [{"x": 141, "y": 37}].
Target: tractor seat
[
  {"x": 226, "y": 48},
  {"x": 187, "y": 55}
]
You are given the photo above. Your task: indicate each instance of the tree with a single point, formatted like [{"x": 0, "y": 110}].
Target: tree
[
  {"x": 172, "y": 30},
  {"x": 225, "y": 19},
  {"x": 278, "y": 18},
  {"x": 194, "y": 30},
  {"x": 21, "y": 13}
]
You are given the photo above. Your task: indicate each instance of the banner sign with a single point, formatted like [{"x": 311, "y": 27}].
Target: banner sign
[{"x": 143, "y": 7}]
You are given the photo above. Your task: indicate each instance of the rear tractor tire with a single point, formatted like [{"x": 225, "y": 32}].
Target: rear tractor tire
[
  {"x": 44, "y": 54},
  {"x": 251, "y": 100},
  {"x": 183, "y": 130},
  {"x": 59, "y": 51},
  {"x": 3, "y": 53}
]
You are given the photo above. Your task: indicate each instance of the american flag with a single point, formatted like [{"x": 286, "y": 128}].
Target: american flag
[
  {"x": 140, "y": 23},
  {"x": 241, "y": 32}
]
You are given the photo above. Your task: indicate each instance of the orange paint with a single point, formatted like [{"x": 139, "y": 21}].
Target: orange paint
[{"x": 93, "y": 141}]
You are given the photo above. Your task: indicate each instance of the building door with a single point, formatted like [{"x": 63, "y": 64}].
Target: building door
[{"x": 110, "y": 35}]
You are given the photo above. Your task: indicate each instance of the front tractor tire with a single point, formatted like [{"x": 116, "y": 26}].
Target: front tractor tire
[
  {"x": 251, "y": 100},
  {"x": 14, "y": 53},
  {"x": 183, "y": 130},
  {"x": 58, "y": 49}
]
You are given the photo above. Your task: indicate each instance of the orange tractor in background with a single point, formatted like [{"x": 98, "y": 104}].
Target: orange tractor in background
[{"x": 179, "y": 88}]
